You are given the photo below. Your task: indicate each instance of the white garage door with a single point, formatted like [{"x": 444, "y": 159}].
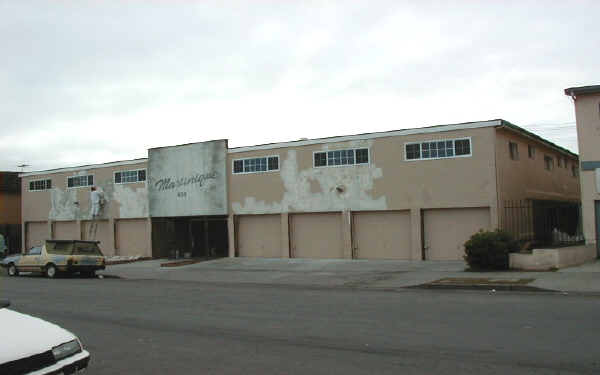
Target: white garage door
[
  {"x": 316, "y": 235},
  {"x": 446, "y": 230},
  {"x": 101, "y": 234},
  {"x": 132, "y": 237},
  {"x": 382, "y": 235},
  {"x": 37, "y": 233},
  {"x": 66, "y": 230},
  {"x": 259, "y": 236}
]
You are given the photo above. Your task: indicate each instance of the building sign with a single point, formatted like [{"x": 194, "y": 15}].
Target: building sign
[{"x": 188, "y": 180}]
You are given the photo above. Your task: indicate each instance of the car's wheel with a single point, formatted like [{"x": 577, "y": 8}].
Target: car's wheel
[
  {"x": 12, "y": 270},
  {"x": 50, "y": 271},
  {"x": 88, "y": 274}
]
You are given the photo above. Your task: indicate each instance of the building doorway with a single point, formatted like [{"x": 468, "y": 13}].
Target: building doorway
[{"x": 190, "y": 237}]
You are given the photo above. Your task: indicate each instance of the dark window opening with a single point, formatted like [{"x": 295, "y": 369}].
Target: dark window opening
[
  {"x": 320, "y": 159},
  {"x": 462, "y": 147},
  {"x": 273, "y": 163},
  {"x": 514, "y": 150},
  {"x": 362, "y": 156}
]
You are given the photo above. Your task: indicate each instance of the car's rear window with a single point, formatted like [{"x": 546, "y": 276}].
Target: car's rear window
[
  {"x": 86, "y": 248},
  {"x": 60, "y": 248}
]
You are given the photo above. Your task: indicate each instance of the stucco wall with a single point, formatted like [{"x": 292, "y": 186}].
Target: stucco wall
[
  {"x": 388, "y": 182},
  {"x": 527, "y": 178},
  {"x": 546, "y": 259},
  {"x": 188, "y": 180},
  {"x": 587, "y": 112},
  {"x": 62, "y": 203}
]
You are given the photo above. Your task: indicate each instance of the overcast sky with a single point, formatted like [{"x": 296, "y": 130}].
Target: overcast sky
[{"x": 97, "y": 81}]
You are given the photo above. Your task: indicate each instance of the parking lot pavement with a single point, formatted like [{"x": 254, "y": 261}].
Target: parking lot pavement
[
  {"x": 349, "y": 273},
  {"x": 173, "y": 327}
]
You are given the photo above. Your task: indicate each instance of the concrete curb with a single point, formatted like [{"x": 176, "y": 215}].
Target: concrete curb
[{"x": 489, "y": 287}]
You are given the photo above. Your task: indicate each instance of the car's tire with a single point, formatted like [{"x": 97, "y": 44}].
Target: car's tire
[
  {"x": 88, "y": 274},
  {"x": 50, "y": 271},
  {"x": 12, "y": 270}
]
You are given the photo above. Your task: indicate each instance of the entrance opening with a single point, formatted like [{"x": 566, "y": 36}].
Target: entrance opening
[{"x": 190, "y": 237}]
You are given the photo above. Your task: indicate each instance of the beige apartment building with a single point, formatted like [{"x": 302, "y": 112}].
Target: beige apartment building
[
  {"x": 409, "y": 194},
  {"x": 587, "y": 113}
]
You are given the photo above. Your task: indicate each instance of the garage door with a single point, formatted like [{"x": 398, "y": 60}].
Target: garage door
[
  {"x": 446, "y": 230},
  {"x": 66, "y": 230},
  {"x": 382, "y": 235},
  {"x": 316, "y": 235},
  {"x": 132, "y": 237},
  {"x": 37, "y": 233},
  {"x": 102, "y": 234},
  {"x": 259, "y": 236}
]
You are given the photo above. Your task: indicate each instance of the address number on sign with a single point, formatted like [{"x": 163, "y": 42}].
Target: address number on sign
[{"x": 181, "y": 194}]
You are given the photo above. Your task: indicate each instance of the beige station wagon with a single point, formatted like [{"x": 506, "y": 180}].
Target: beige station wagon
[{"x": 68, "y": 256}]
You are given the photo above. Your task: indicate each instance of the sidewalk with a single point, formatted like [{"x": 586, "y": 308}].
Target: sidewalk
[{"x": 364, "y": 274}]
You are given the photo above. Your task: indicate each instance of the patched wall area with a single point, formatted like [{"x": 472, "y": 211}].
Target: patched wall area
[
  {"x": 388, "y": 181},
  {"x": 298, "y": 186},
  {"x": 61, "y": 202},
  {"x": 188, "y": 180}
]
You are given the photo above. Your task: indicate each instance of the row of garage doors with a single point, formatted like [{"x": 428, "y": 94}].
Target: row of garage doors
[
  {"x": 374, "y": 235},
  {"x": 130, "y": 235}
]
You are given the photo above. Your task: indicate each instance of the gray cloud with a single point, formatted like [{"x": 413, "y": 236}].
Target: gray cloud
[{"x": 84, "y": 82}]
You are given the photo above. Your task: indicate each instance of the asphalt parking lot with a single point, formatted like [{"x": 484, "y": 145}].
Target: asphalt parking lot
[{"x": 182, "y": 327}]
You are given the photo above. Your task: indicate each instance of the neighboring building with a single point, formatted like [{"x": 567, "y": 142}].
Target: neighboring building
[
  {"x": 587, "y": 113},
  {"x": 407, "y": 194},
  {"x": 10, "y": 210}
]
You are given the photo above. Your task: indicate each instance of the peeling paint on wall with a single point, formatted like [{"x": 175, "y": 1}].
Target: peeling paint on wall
[
  {"x": 133, "y": 203},
  {"x": 74, "y": 204},
  {"x": 320, "y": 189},
  {"x": 62, "y": 204}
]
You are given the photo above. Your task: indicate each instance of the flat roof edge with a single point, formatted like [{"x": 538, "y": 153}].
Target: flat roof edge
[
  {"x": 89, "y": 166},
  {"x": 582, "y": 90},
  {"x": 364, "y": 136},
  {"x": 536, "y": 137}
]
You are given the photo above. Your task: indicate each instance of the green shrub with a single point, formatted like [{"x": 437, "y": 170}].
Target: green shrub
[{"x": 488, "y": 250}]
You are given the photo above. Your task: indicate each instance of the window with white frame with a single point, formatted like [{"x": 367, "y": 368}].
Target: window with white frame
[
  {"x": 130, "y": 177},
  {"x": 80, "y": 181},
  {"x": 341, "y": 157},
  {"x": 256, "y": 165},
  {"x": 38, "y": 185},
  {"x": 448, "y": 148}
]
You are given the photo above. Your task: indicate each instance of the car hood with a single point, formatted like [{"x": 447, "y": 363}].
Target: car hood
[
  {"x": 24, "y": 335},
  {"x": 12, "y": 258}
]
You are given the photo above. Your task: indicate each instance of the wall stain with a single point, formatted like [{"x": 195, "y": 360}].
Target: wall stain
[{"x": 320, "y": 189}]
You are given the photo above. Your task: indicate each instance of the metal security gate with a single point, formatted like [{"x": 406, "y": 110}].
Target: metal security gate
[{"x": 190, "y": 237}]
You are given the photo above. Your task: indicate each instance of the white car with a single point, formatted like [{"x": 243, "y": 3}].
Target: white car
[{"x": 34, "y": 346}]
